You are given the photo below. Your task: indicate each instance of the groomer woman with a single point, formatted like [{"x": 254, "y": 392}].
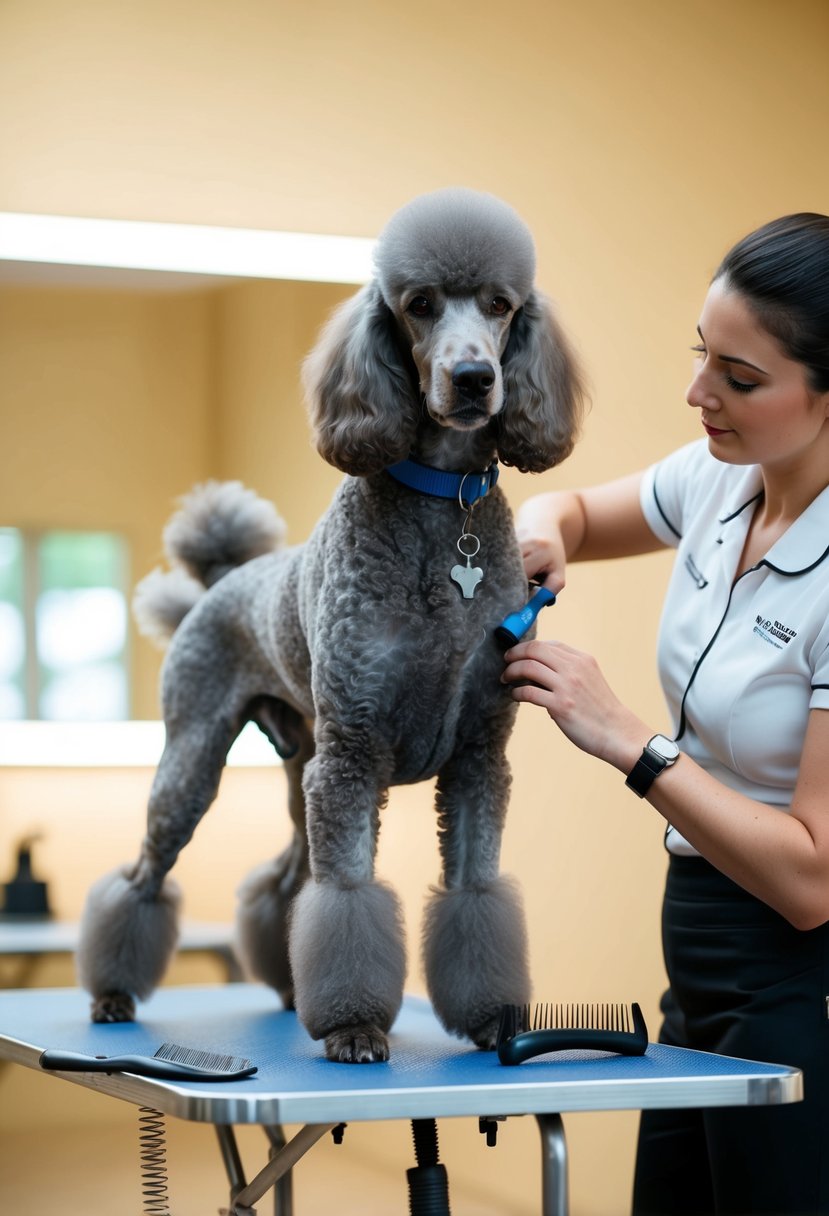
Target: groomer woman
[{"x": 742, "y": 780}]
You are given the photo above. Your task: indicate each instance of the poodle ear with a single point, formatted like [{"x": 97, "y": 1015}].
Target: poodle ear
[
  {"x": 361, "y": 401},
  {"x": 543, "y": 391}
]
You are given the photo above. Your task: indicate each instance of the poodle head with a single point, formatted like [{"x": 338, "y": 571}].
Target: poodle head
[{"x": 451, "y": 335}]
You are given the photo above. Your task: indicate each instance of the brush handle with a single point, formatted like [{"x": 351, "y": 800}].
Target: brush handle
[
  {"x": 142, "y": 1066},
  {"x": 514, "y": 626},
  {"x": 531, "y": 1043}
]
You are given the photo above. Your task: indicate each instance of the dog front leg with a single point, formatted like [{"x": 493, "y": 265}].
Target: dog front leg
[
  {"x": 474, "y": 933},
  {"x": 347, "y": 948},
  {"x": 129, "y": 926}
]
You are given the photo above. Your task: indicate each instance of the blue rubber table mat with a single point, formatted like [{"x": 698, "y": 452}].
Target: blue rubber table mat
[{"x": 430, "y": 1073}]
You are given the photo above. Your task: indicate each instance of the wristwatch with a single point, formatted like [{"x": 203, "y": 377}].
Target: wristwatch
[{"x": 659, "y": 753}]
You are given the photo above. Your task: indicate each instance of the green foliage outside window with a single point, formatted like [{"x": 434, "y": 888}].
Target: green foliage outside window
[{"x": 63, "y": 625}]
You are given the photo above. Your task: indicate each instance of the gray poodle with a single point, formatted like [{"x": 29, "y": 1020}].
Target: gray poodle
[{"x": 367, "y": 655}]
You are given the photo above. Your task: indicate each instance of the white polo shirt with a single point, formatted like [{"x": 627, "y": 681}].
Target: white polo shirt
[{"x": 741, "y": 663}]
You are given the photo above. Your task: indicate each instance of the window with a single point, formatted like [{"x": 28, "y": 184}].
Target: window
[{"x": 63, "y": 626}]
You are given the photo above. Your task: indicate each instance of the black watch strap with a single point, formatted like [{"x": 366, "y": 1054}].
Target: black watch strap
[{"x": 645, "y": 771}]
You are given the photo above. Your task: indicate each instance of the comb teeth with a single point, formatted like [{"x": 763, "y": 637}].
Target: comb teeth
[
  {"x": 208, "y": 1060},
  {"x": 532, "y": 1030},
  {"x": 576, "y": 1017}
]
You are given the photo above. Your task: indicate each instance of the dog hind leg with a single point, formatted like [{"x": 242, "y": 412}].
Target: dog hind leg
[
  {"x": 129, "y": 924},
  {"x": 267, "y": 893}
]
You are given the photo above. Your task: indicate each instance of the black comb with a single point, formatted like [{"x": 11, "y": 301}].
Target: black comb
[
  {"x": 170, "y": 1063},
  {"x": 532, "y": 1030}
]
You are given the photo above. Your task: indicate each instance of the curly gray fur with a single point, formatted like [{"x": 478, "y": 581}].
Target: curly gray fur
[{"x": 357, "y": 654}]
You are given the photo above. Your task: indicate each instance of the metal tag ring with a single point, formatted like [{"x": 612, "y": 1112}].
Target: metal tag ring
[
  {"x": 468, "y": 536},
  {"x": 464, "y": 505}
]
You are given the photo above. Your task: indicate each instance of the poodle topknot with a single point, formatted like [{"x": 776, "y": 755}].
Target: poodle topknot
[{"x": 458, "y": 239}]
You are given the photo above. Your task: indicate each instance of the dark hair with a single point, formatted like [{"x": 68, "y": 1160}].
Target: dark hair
[{"x": 782, "y": 271}]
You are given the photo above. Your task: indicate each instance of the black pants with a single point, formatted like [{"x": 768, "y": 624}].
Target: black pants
[{"x": 743, "y": 983}]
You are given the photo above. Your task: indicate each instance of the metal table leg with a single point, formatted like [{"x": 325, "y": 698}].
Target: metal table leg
[
  {"x": 283, "y": 1191},
  {"x": 230, "y": 1157},
  {"x": 554, "y": 1186},
  {"x": 282, "y": 1159},
  {"x": 284, "y": 1155}
]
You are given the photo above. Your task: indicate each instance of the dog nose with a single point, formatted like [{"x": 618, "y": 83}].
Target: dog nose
[{"x": 473, "y": 379}]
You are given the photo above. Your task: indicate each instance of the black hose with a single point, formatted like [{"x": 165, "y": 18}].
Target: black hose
[{"x": 428, "y": 1181}]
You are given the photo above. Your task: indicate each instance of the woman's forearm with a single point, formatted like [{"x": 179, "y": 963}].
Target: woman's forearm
[
  {"x": 603, "y": 521},
  {"x": 560, "y": 512},
  {"x": 781, "y": 857},
  {"x": 764, "y": 849}
]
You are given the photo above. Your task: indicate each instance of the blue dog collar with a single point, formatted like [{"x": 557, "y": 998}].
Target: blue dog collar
[{"x": 467, "y": 488}]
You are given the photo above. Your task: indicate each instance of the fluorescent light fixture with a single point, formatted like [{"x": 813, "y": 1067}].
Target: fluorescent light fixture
[
  {"x": 110, "y": 745},
  {"x": 185, "y": 248}
]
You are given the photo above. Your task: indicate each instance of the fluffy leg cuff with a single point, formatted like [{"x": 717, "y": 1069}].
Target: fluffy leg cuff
[
  {"x": 347, "y": 956},
  {"x": 262, "y": 929},
  {"x": 126, "y": 939},
  {"x": 475, "y": 956}
]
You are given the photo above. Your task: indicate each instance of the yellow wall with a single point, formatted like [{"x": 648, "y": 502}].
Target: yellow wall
[
  {"x": 113, "y": 402},
  {"x": 638, "y": 140}
]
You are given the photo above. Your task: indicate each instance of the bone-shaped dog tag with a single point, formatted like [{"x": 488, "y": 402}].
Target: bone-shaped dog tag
[{"x": 467, "y": 577}]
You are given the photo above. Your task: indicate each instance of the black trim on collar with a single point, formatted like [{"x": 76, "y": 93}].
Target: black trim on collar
[
  {"x": 794, "y": 573},
  {"x": 726, "y": 519}
]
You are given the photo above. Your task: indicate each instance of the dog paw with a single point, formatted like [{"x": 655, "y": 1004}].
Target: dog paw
[
  {"x": 363, "y": 1044},
  {"x": 113, "y": 1007},
  {"x": 486, "y": 1037}
]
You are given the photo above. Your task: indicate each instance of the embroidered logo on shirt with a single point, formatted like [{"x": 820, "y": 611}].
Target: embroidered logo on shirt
[{"x": 774, "y": 632}]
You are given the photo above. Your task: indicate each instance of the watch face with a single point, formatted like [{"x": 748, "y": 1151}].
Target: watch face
[{"x": 664, "y": 747}]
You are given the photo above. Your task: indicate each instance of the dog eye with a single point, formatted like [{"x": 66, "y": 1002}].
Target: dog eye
[
  {"x": 419, "y": 306},
  {"x": 500, "y": 306}
]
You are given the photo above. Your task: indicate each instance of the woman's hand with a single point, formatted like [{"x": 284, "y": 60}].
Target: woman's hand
[
  {"x": 544, "y": 559},
  {"x": 581, "y": 525},
  {"x": 548, "y": 527},
  {"x": 570, "y": 686}
]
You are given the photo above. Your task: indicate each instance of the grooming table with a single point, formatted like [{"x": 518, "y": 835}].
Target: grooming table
[{"x": 430, "y": 1076}]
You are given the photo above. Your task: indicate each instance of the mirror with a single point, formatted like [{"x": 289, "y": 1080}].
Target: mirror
[{"x": 139, "y": 360}]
